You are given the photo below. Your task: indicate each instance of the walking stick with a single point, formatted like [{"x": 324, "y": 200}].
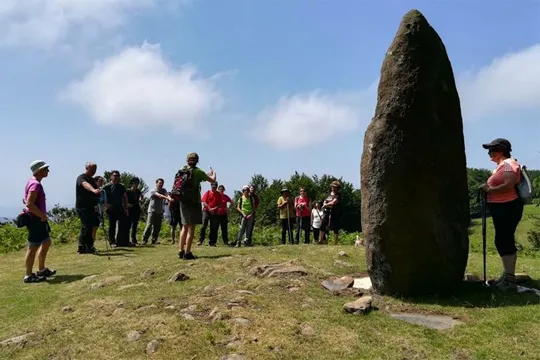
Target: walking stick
[
  {"x": 102, "y": 221},
  {"x": 289, "y": 222}
]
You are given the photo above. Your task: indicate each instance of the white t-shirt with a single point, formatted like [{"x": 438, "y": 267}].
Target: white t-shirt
[{"x": 317, "y": 216}]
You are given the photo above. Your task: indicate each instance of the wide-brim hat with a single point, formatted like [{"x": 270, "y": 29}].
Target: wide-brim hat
[
  {"x": 37, "y": 166},
  {"x": 498, "y": 143},
  {"x": 284, "y": 190}
]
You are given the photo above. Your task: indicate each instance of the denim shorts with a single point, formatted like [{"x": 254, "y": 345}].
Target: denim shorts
[{"x": 38, "y": 231}]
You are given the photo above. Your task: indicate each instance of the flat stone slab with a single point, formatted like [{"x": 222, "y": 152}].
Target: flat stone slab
[
  {"x": 437, "y": 322},
  {"x": 338, "y": 284},
  {"x": 362, "y": 283}
]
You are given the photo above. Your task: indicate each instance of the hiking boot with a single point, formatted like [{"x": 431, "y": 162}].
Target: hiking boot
[
  {"x": 504, "y": 282},
  {"x": 189, "y": 256},
  {"x": 181, "y": 254},
  {"x": 45, "y": 273},
  {"x": 238, "y": 244},
  {"x": 213, "y": 245},
  {"x": 33, "y": 278}
]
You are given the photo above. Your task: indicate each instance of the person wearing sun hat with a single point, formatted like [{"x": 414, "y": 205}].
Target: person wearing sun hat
[
  {"x": 286, "y": 215},
  {"x": 39, "y": 239}
]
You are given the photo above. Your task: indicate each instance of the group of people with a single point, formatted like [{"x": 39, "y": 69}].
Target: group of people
[{"x": 188, "y": 210}]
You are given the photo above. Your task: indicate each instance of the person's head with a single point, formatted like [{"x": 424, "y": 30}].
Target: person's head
[
  {"x": 134, "y": 183},
  {"x": 214, "y": 186},
  {"x": 100, "y": 181},
  {"x": 39, "y": 169},
  {"x": 252, "y": 189},
  {"x": 335, "y": 186},
  {"x": 115, "y": 176},
  {"x": 498, "y": 150},
  {"x": 221, "y": 189},
  {"x": 302, "y": 192},
  {"x": 245, "y": 190},
  {"x": 318, "y": 204},
  {"x": 285, "y": 192},
  {"x": 192, "y": 159},
  {"x": 91, "y": 168},
  {"x": 159, "y": 183}
]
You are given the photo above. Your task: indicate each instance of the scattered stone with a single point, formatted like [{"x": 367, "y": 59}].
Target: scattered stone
[
  {"x": 248, "y": 262},
  {"x": 107, "y": 281},
  {"x": 152, "y": 346},
  {"x": 437, "y": 322},
  {"x": 67, "y": 309},
  {"x": 234, "y": 344},
  {"x": 354, "y": 292},
  {"x": 17, "y": 340},
  {"x": 124, "y": 287},
  {"x": 208, "y": 289},
  {"x": 240, "y": 280},
  {"x": 170, "y": 307},
  {"x": 307, "y": 330},
  {"x": 89, "y": 278},
  {"x": 242, "y": 321},
  {"x": 362, "y": 306},
  {"x": 275, "y": 348},
  {"x": 118, "y": 311},
  {"x": 239, "y": 302},
  {"x": 179, "y": 276},
  {"x": 218, "y": 316},
  {"x": 213, "y": 312},
  {"x": 305, "y": 306},
  {"x": 245, "y": 292},
  {"x": 342, "y": 254},
  {"x": 294, "y": 289},
  {"x": 338, "y": 284},
  {"x": 133, "y": 336},
  {"x": 363, "y": 283},
  {"x": 146, "y": 308},
  {"x": 121, "y": 304},
  {"x": 187, "y": 316},
  {"x": 190, "y": 308},
  {"x": 148, "y": 272},
  {"x": 342, "y": 264},
  {"x": 417, "y": 122},
  {"x": 97, "y": 285},
  {"x": 268, "y": 269},
  {"x": 233, "y": 357},
  {"x": 222, "y": 287}
]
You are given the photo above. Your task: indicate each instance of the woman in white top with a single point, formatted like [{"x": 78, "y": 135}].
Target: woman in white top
[{"x": 317, "y": 216}]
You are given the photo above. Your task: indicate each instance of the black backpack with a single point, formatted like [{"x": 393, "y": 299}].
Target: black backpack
[{"x": 183, "y": 189}]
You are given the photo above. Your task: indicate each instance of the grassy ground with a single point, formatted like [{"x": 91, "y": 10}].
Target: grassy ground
[{"x": 497, "y": 325}]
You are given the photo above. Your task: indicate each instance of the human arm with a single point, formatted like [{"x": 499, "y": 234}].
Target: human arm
[
  {"x": 211, "y": 176},
  {"x": 31, "y": 205},
  {"x": 87, "y": 186}
]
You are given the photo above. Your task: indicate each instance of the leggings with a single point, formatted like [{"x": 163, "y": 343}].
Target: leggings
[{"x": 506, "y": 217}]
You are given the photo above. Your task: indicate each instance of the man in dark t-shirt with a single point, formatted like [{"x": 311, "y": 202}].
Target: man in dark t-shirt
[
  {"x": 86, "y": 200},
  {"x": 117, "y": 210}
]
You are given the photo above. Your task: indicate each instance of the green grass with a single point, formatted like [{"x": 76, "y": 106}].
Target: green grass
[{"x": 497, "y": 325}]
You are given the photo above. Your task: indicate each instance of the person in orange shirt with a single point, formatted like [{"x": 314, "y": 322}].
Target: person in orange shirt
[{"x": 505, "y": 206}]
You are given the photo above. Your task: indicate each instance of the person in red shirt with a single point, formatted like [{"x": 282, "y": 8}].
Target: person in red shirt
[
  {"x": 211, "y": 202},
  {"x": 303, "y": 215},
  {"x": 223, "y": 217}
]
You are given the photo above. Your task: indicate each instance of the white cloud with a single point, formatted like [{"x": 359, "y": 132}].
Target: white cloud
[
  {"x": 44, "y": 23},
  {"x": 137, "y": 87},
  {"x": 508, "y": 84},
  {"x": 297, "y": 120}
]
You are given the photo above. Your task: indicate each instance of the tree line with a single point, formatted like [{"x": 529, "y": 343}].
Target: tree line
[{"x": 317, "y": 188}]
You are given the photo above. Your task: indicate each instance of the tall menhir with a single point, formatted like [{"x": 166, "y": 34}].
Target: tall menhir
[{"x": 415, "y": 206}]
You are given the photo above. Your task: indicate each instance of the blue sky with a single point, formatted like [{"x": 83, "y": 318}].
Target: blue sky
[{"x": 269, "y": 86}]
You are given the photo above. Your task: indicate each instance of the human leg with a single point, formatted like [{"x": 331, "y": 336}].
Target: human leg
[
  {"x": 205, "y": 221},
  {"x": 214, "y": 228},
  {"x": 148, "y": 227},
  {"x": 157, "y": 221}
]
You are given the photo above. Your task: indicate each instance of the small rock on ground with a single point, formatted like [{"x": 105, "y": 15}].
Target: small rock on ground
[
  {"x": 190, "y": 308},
  {"x": 16, "y": 340},
  {"x": 133, "y": 336},
  {"x": 338, "y": 284},
  {"x": 307, "y": 330},
  {"x": 146, "y": 308},
  {"x": 187, "y": 316},
  {"x": 118, "y": 311},
  {"x": 360, "y": 306},
  {"x": 67, "y": 309},
  {"x": 152, "y": 346},
  {"x": 148, "y": 272},
  {"x": 89, "y": 278},
  {"x": 179, "y": 276},
  {"x": 245, "y": 292},
  {"x": 436, "y": 322},
  {"x": 342, "y": 253},
  {"x": 363, "y": 283},
  {"x": 242, "y": 321},
  {"x": 233, "y": 357}
]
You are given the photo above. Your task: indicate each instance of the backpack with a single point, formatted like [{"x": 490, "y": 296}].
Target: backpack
[
  {"x": 250, "y": 200},
  {"x": 525, "y": 188},
  {"x": 183, "y": 189}
]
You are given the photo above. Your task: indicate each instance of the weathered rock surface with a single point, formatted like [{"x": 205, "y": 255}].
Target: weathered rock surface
[
  {"x": 338, "y": 284},
  {"x": 16, "y": 340},
  {"x": 360, "y": 306},
  {"x": 415, "y": 206},
  {"x": 437, "y": 322},
  {"x": 274, "y": 270}
]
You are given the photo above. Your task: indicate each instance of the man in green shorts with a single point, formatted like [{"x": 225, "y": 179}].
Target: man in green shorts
[{"x": 190, "y": 203}]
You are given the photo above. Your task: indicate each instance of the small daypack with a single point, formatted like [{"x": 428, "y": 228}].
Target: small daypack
[
  {"x": 183, "y": 189},
  {"x": 525, "y": 188}
]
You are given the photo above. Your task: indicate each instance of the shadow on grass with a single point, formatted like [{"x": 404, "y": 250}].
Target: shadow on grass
[
  {"x": 477, "y": 295},
  {"x": 213, "y": 256},
  {"x": 64, "y": 279},
  {"x": 102, "y": 254}
]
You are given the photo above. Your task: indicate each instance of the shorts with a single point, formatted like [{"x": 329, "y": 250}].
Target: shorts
[
  {"x": 175, "y": 218},
  {"x": 38, "y": 231},
  {"x": 191, "y": 213}
]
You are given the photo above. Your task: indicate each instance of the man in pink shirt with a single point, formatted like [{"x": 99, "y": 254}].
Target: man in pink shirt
[{"x": 35, "y": 215}]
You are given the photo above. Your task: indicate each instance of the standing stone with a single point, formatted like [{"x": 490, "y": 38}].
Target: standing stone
[{"x": 415, "y": 206}]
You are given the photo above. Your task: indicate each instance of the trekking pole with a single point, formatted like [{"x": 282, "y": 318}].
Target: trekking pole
[
  {"x": 483, "y": 209},
  {"x": 102, "y": 221},
  {"x": 289, "y": 222}
]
